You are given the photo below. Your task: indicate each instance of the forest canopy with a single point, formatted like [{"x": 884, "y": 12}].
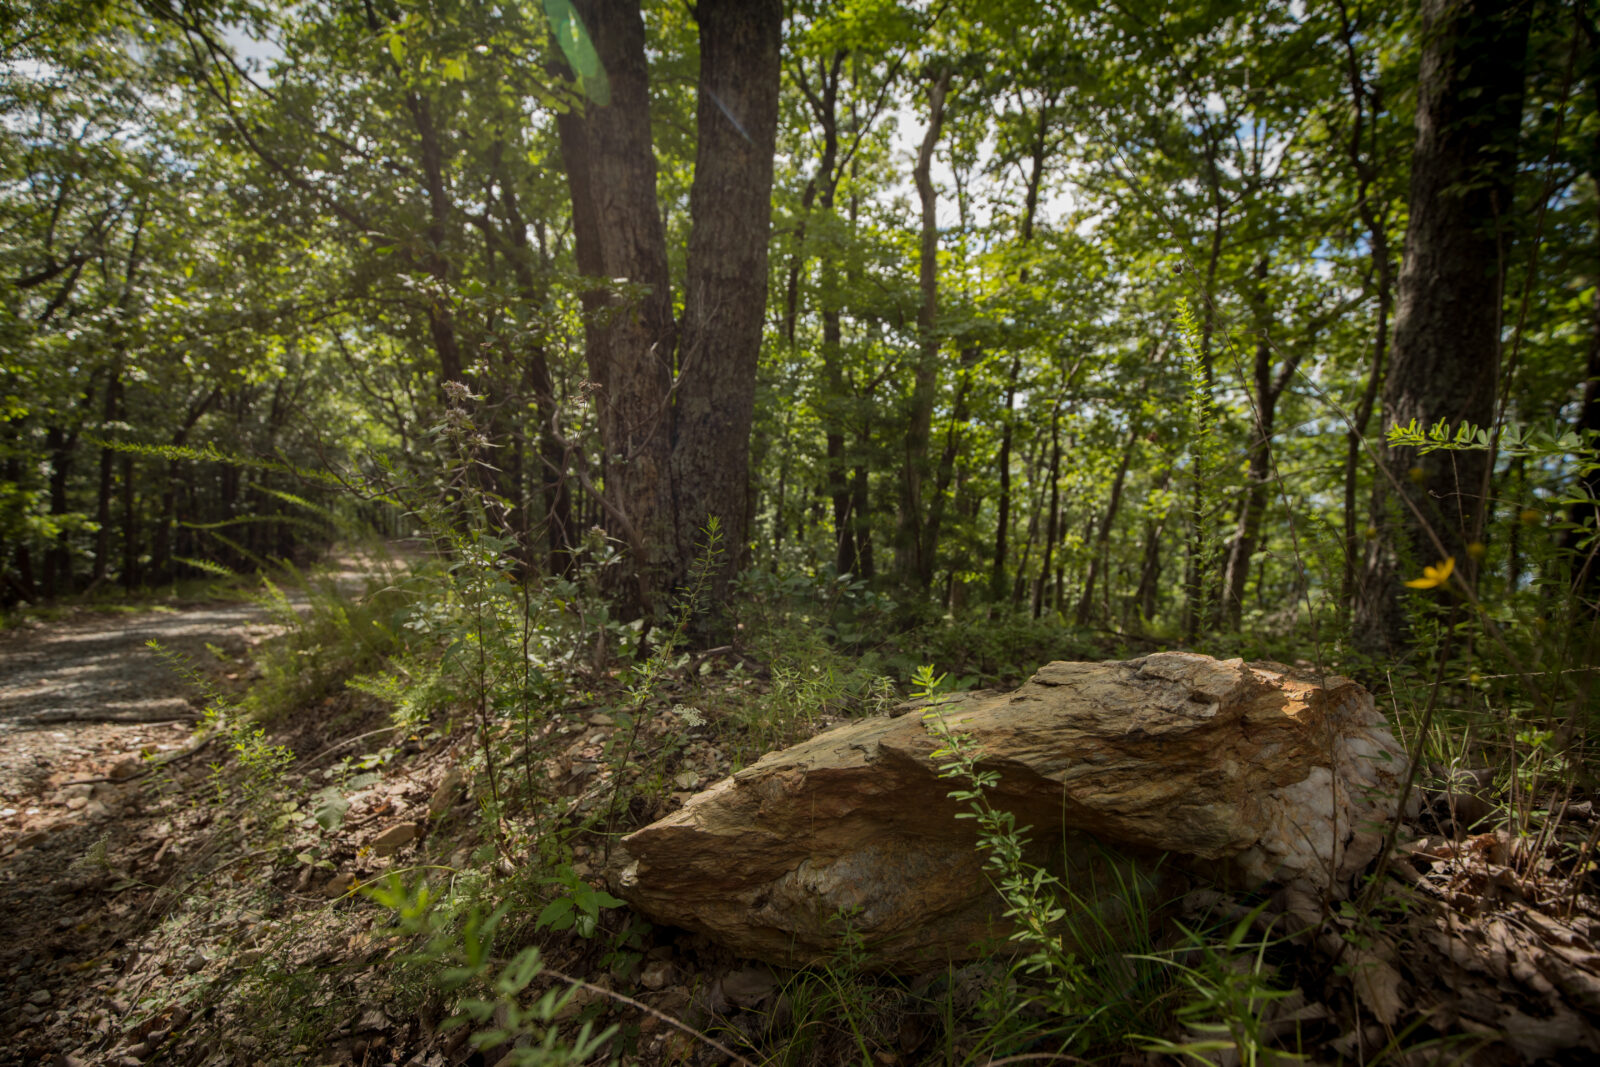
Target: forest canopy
[{"x": 1220, "y": 322}]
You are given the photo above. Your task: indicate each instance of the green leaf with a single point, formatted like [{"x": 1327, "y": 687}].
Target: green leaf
[
  {"x": 557, "y": 915},
  {"x": 329, "y": 807}
]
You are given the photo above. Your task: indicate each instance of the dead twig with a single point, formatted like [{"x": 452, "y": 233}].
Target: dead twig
[{"x": 647, "y": 1009}]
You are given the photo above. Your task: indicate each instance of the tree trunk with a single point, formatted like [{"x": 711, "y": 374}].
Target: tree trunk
[
  {"x": 947, "y": 461},
  {"x": 1030, "y": 211},
  {"x": 677, "y": 450},
  {"x": 911, "y": 559},
  {"x": 102, "y": 510},
  {"x": 130, "y": 526},
  {"x": 1102, "y": 534},
  {"x": 1268, "y": 390},
  {"x": 1002, "y": 524},
  {"x": 725, "y": 302},
  {"x": 1053, "y": 515},
  {"x": 1144, "y": 597},
  {"x": 58, "y": 556},
  {"x": 1447, "y": 326},
  {"x": 1365, "y": 166},
  {"x": 630, "y": 335},
  {"x": 557, "y": 497}
]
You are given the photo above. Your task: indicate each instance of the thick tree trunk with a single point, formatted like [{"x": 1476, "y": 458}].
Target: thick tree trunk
[
  {"x": 726, "y": 296},
  {"x": 677, "y": 448},
  {"x": 1446, "y": 350},
  {"x": 630, "y": 335}
]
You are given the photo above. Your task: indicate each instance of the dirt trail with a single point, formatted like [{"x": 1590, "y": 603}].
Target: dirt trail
[
  {"x": 82, "y": 699},
  {"x": 89, "y": 689}
]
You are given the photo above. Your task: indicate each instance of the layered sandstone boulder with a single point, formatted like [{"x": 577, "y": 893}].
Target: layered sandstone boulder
[{"x": 1127, "y": 773}]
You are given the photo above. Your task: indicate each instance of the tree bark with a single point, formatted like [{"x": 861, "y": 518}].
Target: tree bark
[
  {"x": 102, "y": 511},
  {"x": 913, "y": 560},
  {"x": 1446, "y": 351},
  {"x": 1364, "y": 164},
  {"x": 1002, "y": 523},
  {"x": 1053, "y": 515},
  {"x": 677, "y": 447},
  {"x": 630, "y": 335},
  {"x": 58, "y": 556},
  {"x": 725, "y": 301},
  {"x": 1268, "y": 390},
  {"x": 557, "y": 498},
  {"x": 1102, "y": 533}
]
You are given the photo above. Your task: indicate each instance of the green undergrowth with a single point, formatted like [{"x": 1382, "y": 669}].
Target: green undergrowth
[
  {"x": 467, "y": 940},
  {"x": 572, "y": 726}
]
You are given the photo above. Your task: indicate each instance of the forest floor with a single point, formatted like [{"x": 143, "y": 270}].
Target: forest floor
[
  {"x": 157, "y": 907},
  {"x": 83, "y": 703}
]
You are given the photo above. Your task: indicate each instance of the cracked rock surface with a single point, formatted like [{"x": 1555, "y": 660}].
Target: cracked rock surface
[{"x": 1247, "y": 771}]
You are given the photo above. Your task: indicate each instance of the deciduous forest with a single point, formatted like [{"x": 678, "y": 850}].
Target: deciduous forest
[{"x": 468, "y": 433}]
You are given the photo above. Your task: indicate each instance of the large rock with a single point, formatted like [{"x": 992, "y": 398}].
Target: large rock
[{"x": 1247, "y": 772}]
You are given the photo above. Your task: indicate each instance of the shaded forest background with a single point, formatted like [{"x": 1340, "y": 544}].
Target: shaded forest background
[{"x": 1077, "y": 313}]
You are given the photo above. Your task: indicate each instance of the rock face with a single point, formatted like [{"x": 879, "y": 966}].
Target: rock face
[{"x": 1246, "y": 771}]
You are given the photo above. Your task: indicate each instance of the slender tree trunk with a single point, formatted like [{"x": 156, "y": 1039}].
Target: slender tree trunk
[
  {"x": 1030, "y": 211},
  {"x": 913, "y": 567},
  {"x": 1364, "y": 165},
  {"x": 555, "y": 493},
  {"x": 1002, "y": 525},
  {"x": 1447, "y": 325},
  {"x": 947, "y": 461},
  {"x": 102, "y": 510},
  {"x": 1102, "y": 534},
  {"x": 1035, "y": 484},
  {"x": 860, "y": 513},
  {"x": 1150, "y": 566},
  {"x": 162, "y": 541},
  {"x": 1585, "y": 514},
  {"x": 58, "y": 556},
  {"x": 1053, "y": 515},
  {"x": 1586, "y": 565},
  {"x": 1268, "y": 389},
  {"x": 130, "y": 526}
]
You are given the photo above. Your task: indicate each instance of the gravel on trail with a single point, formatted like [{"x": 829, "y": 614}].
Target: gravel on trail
[
  {"x": 83, "y": 701},
  {"x": 89, "y": 686}
]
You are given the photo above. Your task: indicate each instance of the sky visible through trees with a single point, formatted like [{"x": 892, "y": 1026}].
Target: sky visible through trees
[{"x": 1102, "y": 314}]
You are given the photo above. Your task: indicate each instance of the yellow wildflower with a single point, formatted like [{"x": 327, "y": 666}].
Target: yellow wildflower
[
  {"x": 1433, "y": 577},
  {"x": 1476, "y": 550}
]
